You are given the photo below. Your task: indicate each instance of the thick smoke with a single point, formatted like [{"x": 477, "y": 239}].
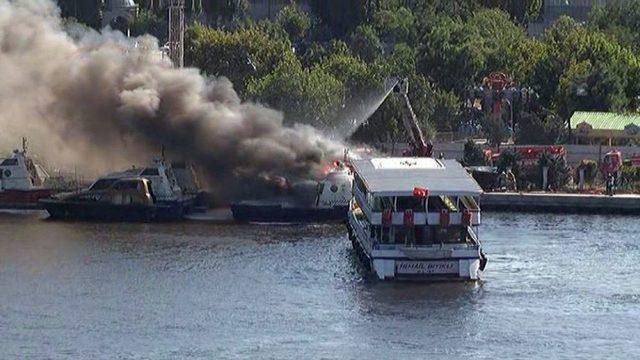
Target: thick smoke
[{"x": 99, "y": 101}]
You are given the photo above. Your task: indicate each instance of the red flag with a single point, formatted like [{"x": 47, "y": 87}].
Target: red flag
[
  {"x": 420, "y": 192},
  {"x": 408, "y": 218},
  {"x": 387, "y": 217}
]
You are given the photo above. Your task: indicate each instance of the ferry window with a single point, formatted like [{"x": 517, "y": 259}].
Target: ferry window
[
  {"x": 382, "y": 203},
  {"x": 410, "y": 202},
  {"x": 374, "y": 232},
  {"x": 9, "y": 162},
  {"x": 451, "y": 234},
  {"x": 386, "y": 236},
  {"x": 437, "y": 203},
  {"x": 150, "y": 172},
  {"x": 468, "y": 202},
  {"x": 102, "y": 184},
  {"x": 126, "y": 185}
]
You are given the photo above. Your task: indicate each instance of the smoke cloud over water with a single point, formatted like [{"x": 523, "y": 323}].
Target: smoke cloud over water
[{"x": 100, "y": 101}]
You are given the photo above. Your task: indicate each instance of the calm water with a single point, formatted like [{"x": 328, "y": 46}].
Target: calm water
[{"x": 555, "y": 286}]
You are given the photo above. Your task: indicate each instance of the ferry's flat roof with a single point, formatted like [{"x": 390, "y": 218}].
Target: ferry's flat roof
[{"x": 399, "y": 176}]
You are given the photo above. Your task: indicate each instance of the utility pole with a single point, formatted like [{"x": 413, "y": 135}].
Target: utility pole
[{"x": 176, "y": 32}]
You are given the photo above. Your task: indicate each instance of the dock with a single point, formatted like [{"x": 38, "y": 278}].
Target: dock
[{"x": 628, "y": 204}]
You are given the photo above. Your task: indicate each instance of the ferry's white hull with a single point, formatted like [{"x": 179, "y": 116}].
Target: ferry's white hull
[{"x": 423, "y": 263}]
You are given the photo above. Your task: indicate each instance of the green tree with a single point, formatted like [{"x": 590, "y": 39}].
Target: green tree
[
  {"x": 540, "y": 129},
  {"x": 522, "y": 11},
  {"x": 342, "y": 16},
  {"x": 224, "y": 10},
  {"x": 239, "y": 55},
  {"x": 149, "y": 22},
  {"x": 450, "y": 55},
  {"x": 619, "y": 19},
  {"x": 473, "y": 154},
  {"x": 396, "y": 25},
  {"x": 294, "y": 21},
  {"x": 312, "y": 96},
  {"x": 583, "y": 69},
  {"x": 365, "y": 43}
]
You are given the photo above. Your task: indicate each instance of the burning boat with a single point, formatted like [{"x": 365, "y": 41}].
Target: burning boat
[
  {"x": 147, "y": 194},
  {"x": 22, "y": 181},
  {"x": 312, "y": 201}
]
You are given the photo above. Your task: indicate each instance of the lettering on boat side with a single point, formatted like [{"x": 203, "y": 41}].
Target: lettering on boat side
[{"x": 426, "y": 267}]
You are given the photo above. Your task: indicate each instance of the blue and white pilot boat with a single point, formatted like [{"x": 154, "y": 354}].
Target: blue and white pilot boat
[{"x": 416, "y": 219}]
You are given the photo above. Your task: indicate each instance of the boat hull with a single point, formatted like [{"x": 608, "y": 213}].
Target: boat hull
[
  {"x": 276, "y": 213},
  {"x": 68, "y": 210},
  {"x": 23, "y": 199},
  {"x": 426, "y": 264}
]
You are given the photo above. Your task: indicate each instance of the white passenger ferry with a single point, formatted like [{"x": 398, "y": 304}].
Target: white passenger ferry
[{"x": 416, "y": 219}]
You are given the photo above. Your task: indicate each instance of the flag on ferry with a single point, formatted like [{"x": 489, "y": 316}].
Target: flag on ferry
[{"x": 420, "y": 192}]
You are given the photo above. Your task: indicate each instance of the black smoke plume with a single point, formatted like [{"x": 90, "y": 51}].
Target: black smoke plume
[{"x": 99, "y": 101}]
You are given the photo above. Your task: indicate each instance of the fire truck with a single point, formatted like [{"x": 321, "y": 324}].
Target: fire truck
[{"x": 529, "y": 154}]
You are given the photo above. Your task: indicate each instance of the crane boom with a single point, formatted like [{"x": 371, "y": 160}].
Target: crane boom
[{"x": 419, "y": 147}]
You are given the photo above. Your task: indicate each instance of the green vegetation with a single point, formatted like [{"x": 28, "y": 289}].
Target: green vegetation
[{"x": 316, "y": 66}]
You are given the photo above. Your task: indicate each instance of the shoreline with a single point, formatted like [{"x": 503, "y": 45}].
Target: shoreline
[{"x": 622, "y": 204}]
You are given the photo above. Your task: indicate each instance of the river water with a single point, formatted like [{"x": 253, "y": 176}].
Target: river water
[{"x": 554, "y": 287}]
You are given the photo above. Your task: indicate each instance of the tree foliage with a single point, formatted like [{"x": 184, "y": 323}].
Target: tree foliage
[
  {"x": 345, "y": 49},
  {"x": 294, "y": 21},
  {"x": 473, "y": 154},
  {"x": 365, "y": 43},
  {"x": 312, "y": 95},
  {"x": 239, "y": 55}
]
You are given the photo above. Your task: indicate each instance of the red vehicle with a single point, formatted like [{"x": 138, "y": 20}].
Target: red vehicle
[{"x": 529, "y": 154}]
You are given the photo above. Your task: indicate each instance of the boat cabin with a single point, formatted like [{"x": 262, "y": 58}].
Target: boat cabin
[
  {"x": 335, "y": 189},
  {"x": 415, "y": 202},
  {"x": 162, "y": 179},
  {"x": 19, "y": 172}
]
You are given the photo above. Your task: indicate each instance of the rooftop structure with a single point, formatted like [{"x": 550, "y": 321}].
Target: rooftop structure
[
  {"x": 400, "y": 176},
  {"x": 604, "y": 127}
]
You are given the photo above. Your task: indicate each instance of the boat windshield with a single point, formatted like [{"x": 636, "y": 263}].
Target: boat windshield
[
  {"x": 102, "y": 184},
  {"x": 150, "y": 172},
  {"x": 9, "y": 162}
]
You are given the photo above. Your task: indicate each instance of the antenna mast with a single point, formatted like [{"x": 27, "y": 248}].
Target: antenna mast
[{"x": 176, "y": 32}]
